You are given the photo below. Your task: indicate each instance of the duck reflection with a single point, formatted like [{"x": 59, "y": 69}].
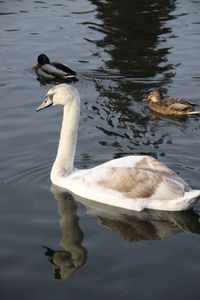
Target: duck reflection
[
  {"x": 45, "y": 81},
  {"x": 74, "y": 254}
]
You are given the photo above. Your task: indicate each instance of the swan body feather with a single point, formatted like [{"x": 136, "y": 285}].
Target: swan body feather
[{"x": 131, "y": 182}]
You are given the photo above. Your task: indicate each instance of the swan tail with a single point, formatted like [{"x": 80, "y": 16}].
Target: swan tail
[
  {"x": 189, "y": 199},
  {"x": 183, "y": 203}
]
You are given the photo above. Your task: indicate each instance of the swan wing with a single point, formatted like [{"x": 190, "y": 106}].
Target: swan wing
[
  {"x": 63, "y": 68},
  {"x": 147, "y": 163},
  {"x": 136, "y": 183},
  {"x": 152, "y": 164}
]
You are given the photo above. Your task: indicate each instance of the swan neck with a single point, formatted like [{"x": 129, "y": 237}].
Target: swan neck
[{"x": 64, "y": 162}]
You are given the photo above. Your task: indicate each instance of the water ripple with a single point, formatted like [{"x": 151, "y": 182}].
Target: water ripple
[{"x": 35, "y": 174}]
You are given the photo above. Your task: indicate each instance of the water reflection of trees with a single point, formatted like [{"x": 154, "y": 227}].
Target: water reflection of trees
[
  {"x": 129, "y": 225},
  {"x": 134, "y": 33}
]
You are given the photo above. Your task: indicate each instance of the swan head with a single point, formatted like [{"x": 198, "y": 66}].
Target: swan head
[{"x": 60, "y": 94}]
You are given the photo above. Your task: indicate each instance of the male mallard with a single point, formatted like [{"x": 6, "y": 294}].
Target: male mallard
[
  {"x": 53, "y": 70},
  {"x": 169, "y": 105}
]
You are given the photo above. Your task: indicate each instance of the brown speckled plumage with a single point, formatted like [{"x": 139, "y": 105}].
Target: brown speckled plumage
[{"x": 170, "y": 105}]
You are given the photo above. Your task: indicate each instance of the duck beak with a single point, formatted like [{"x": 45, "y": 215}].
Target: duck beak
[
  {"x": 36, "y": 66},
  {"x": 43, "y": 106},
  {"x": 145, "y": 99}
]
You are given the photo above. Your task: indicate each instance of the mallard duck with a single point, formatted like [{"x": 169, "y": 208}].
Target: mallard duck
[
  {"x": 132, "y": 182},
  {"x": 53, "y": 70},
  {"x": 170, "y": 105}
]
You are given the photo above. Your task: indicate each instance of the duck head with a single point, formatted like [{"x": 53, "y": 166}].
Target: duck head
[
  {"x": 42, "y": 60},
  {"x": 154, "y": 96}
]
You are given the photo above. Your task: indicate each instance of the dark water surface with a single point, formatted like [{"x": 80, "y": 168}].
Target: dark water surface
[{"x": 53, "y": 247}]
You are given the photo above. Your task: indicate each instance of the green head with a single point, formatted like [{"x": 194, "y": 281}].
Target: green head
[{"x": 42, "y": 60}]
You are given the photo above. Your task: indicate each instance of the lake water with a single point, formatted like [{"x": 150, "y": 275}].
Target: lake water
[{"x": 55, "y": 247}]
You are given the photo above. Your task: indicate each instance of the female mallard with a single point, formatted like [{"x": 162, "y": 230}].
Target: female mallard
[
  {"x": 53, "y": 70},
  {"x": 169, "y": 105}
]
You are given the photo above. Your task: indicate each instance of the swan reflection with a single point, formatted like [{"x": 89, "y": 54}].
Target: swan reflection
[
  {"x": 129, "y": 225},
  {"x": 74, "y": 254},
  {"x": 135, "y": 226}
]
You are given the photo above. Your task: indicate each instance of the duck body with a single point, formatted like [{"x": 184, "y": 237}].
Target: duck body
[
  {"x": 131, "y": 182},
  {"x": 170, "y": 105},
  {"x": 53, "y": 70}
]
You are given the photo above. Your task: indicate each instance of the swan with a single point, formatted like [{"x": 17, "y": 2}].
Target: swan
[{"x": 131, "y": 182}]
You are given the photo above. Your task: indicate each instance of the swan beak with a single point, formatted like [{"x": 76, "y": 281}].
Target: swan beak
[
  {"x": 145, "y": 99},
  {"x": 43, "y": 105}
]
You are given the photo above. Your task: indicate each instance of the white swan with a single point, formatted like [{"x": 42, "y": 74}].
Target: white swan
[{"x": 131, "y": 182}]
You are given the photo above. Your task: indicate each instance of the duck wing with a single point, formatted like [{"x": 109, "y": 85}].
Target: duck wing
[
  {"x": 179, "y": 104},
  {"x": 63, "y": 68},
  {"x": 54, "y": 70}
]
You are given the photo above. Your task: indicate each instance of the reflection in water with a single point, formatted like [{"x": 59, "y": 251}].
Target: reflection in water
[
  {"x": 44, "y": 81},
  {"x": 74, "y": 255},
  {"x": 132, "y": 33},
  {"x": 131, "y": 226},
  {"x": 133, "y": 37},
  {"x": 145, "y": 225}
]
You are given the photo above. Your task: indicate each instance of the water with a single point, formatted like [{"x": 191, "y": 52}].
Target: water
[{"x": 51, "y": 245}]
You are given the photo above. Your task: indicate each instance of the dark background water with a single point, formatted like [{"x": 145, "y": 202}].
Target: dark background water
[{"x": 51, "y": 245}]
